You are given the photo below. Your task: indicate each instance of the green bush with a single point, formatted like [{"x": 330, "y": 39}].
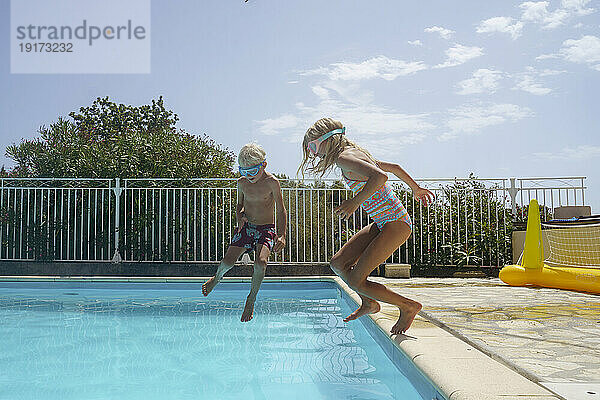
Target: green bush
[{"x": 109, "y": 140}]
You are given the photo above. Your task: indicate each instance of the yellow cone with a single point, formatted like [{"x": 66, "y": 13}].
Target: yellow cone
[{"x": 533, "y": 253}]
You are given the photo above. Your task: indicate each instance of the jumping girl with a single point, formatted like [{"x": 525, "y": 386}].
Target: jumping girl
[{"x": 325, "y": 146}]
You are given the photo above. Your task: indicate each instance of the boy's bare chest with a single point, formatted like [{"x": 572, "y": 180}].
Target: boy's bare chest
[{"x": 257, "y": 192}]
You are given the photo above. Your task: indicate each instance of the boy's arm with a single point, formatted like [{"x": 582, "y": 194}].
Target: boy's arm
[
  {"x": 420, "y": 193},
  {"x": 239, "y": 209},
  {"x": 281, "y": 216}
]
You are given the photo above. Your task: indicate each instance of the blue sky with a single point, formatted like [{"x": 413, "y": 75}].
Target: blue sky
[{"x": 500, "y": 89}]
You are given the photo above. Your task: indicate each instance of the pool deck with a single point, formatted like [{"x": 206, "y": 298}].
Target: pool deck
[
  {"x": 482, "y": 339},
  {"x": 549, "y": 336}
]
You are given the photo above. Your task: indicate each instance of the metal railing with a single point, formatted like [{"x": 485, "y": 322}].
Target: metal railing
[
  {"x": 162, "y": 220},
  {"x": 57, "y": 219}
]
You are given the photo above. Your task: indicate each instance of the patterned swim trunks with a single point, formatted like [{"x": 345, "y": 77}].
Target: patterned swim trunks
[{"x": 251, "y": 235}]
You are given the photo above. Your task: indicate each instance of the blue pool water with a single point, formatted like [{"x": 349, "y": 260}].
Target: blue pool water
[{"x": 90, "y": 340}]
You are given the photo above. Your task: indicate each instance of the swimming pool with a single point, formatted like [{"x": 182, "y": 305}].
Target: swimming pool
[{"x": 95, "y": 340}]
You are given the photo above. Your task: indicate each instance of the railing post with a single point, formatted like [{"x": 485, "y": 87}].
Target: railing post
[
  {"x": 117, "y": 191},
  {"x": 1, "y": 225},
  {"x": 512, "y": 191}
]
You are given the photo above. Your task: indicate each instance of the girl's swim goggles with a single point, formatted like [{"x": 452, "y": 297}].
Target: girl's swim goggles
[
  {"x": 250, "y": 171},
  {"x": 313, "y": 146}
]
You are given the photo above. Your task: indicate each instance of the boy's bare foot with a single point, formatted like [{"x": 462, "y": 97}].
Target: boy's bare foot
[
  {"x": 248, "y": 311},
  {"x": 369, "y": 307},
  {"x": 209, "y": 285},
  {"x": 407, "y": 315}
]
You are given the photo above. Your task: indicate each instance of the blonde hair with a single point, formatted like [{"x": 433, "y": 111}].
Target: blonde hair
[
  {"x": 251, "y": 154},
  {"x": 333, "y": 147}
]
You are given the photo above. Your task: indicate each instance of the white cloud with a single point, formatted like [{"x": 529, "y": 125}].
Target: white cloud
[
  {"x": 582, "y": 152},
  {"x": 321, "y": 92},
  {"x": 547, "y": 57},
  {"x": 273, "y": 126},
  {"x": 349, "y": 92},
  {"x": 369, "y": 119},
  {"x": 379, "y": 128},
  {"x": 534, "y": 11},
  {"x": 537, "y": 12},
  {"x": 577, "y": 6},
  {"x": 483, "y": 80},
  {"x": 415, "y": 43},
  {"x": 527, "y": 81},
  {"x": 390, "y": 145},
  {"x": 501, "y": 24},
  {"x": 582, "y": 51},
  {"x": 377, "y": 67},
  {"x": 472, "y": 119},
  {"x": 528, "y": 84},
  {"x": 460, "y": 54},
  {"x": 445, "y": 33},
  {"x": 550, "y": 72},
  {"x": 341, "y": 96}
]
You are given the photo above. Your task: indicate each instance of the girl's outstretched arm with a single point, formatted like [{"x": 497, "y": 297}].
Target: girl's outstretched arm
[{"x": 420, "y": 193}]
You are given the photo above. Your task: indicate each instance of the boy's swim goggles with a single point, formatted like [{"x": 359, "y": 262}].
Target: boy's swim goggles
[
  {"x": 313, "y": 146},
  {"x": 250, "y": 171}
]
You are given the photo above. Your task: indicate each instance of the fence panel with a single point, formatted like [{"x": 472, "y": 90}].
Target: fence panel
[
  {"x": 166, "y": 220},
  {"x": 57, "y": 219}
]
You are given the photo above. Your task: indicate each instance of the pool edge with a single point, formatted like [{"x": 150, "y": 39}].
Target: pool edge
[{"x": 423, "y": 344}]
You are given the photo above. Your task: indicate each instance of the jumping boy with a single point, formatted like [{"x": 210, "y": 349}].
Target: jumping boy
[{"x": 258, "y": 195}]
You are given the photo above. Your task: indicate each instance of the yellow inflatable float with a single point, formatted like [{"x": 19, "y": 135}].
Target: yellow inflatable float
[{"x": 574, "y": 262}]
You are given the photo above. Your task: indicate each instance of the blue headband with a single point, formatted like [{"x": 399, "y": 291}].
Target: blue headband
[{"x": 333, "y": 132}]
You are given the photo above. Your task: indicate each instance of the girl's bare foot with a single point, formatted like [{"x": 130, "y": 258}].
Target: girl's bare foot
[
  {"x": 248, "y": 311},
  {"x": 209, "y": 285},
  {"x": 367, "y": 307},
  {"x": 407, "y": 315}
]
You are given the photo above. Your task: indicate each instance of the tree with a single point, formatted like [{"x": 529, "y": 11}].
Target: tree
[{"x": 109, "y": 140}]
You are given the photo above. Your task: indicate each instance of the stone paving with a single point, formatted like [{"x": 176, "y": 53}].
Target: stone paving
[{"x": 548, "y": 335}]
